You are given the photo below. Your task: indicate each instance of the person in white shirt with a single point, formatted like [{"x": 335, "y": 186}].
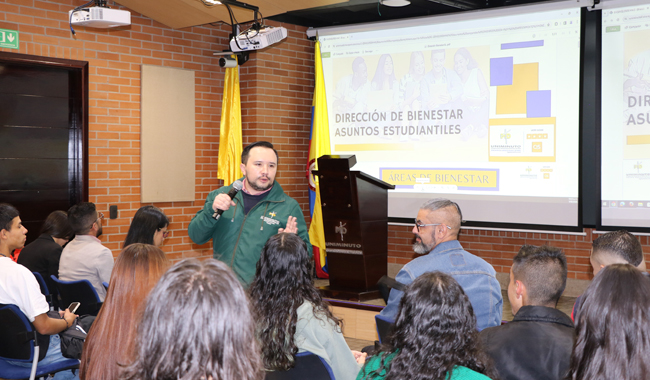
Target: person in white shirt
[
  {"x": 85, "y": 258},
  {"x": 18, "y": 287}
]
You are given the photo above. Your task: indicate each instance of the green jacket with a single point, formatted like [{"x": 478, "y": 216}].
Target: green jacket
[
  {"x": 374, "y": 363},
  {"x": 238, "y": 239}
]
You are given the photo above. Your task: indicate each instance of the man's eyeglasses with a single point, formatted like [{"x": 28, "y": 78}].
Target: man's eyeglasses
[
  {"x": 418, "y": 225},
  {"x": 100, "y": 215}
]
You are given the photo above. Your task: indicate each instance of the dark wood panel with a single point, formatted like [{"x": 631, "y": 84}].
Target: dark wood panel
[
  {"x": 34, "y": 111},
  {"x": 43, "y": 92},
  {"x": 33, "y": 80},
  {"x": 28, "y": 142},
  {"x": 30, "y": 174}
]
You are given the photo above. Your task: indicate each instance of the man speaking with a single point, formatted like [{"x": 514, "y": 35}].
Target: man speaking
[{"x": 240, "y": 222}]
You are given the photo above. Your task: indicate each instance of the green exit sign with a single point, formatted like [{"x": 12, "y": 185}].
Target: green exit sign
[{"x": 8, "y": 38}]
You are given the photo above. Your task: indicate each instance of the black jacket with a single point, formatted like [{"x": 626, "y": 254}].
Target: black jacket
[
  {"x": 536, "y": 345},
  {"x": 42, "y": 256}
]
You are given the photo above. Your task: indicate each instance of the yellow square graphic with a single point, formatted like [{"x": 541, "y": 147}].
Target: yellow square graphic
[
  {"x": 547, "y": 175},
  {"x": 537, "y": 146},
  {"x": 512, "y": 98}
]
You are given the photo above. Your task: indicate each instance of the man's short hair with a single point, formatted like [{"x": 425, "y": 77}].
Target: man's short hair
[
  {"x": 619, "y": 244},
  {"x": 265, "y": 144},
  {"x": 81, "y": 217},
  {"x": 440, "y": 203},
  {"x": 543, "y": 271},
  {"x": 7, "y": 215}
]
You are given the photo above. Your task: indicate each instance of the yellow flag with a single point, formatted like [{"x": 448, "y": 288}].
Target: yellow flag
[
  {"x": 230, "y": 144},
  {"x": 319, "y": 146}
]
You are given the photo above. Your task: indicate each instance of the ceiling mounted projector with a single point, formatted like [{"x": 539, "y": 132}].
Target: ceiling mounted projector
[
  {"x": 254, "y": 40},
  {"x": 100, "y": 17},
  {"x": 395, "y": 3}
]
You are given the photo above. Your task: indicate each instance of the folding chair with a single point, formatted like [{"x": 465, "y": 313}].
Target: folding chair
[
  {"x": 308, "y": 366},
  {"x": 19, "y": 342},
  {"x": 78, "y": 291}
]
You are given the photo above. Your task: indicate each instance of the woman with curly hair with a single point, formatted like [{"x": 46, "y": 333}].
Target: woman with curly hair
[
  {"x": 613, "y": 327},
  {"x": 291, "y": 314},
  {"x": 434, "y": 337}
]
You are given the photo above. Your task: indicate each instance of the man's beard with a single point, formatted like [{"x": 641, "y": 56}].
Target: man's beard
[
  {"x": 99, "y": 232},
  {"x": 421, "y": 248},
  {"x": 255, "y": 187}
]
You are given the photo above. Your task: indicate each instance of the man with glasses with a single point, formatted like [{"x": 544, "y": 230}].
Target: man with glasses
[
  {"x": 436, "y": 236},
  {"x": 85, "y": 258}
]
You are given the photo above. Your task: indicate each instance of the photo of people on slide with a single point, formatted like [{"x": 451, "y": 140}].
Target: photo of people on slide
[{"x": 414, "y": 97}]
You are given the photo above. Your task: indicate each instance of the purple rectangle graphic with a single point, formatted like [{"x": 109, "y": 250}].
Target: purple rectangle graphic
[
  {"x": 501, "y": 71},
  {"x": 538, "y": 103},
  {"x": 521, "y": 45}
]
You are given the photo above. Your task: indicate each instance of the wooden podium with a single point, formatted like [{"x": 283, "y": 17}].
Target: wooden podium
[{"x": 355, "y": 221}]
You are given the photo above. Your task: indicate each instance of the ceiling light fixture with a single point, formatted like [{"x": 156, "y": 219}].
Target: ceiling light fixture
[{"x": 395, "y": 3}]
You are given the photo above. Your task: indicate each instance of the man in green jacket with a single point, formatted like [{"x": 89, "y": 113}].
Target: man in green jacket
[{"x": 256, "y": 213}]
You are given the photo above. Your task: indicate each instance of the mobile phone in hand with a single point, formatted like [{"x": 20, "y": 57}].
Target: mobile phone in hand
[{"x": 73, "y": 307}]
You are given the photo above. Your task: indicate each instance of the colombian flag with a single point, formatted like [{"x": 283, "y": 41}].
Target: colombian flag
[
  {"x": 319, "y": 146},
  {"x": 230, "y": 144}
]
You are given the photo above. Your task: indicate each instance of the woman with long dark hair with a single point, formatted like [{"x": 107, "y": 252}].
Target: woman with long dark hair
[
  {"x": 434, "y": 337},
  {"x": 149, "y": 226},
  {"x": 111, "y": 338},
  {"x": 290, "y": 312},
  {"x": 196, "y": 325},
  {"x": 613, "y": 327}
]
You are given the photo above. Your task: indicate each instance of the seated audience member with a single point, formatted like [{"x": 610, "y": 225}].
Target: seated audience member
[
  {"x": 291, "y": 314},
  {"x": 537, "y": 344},
  {"x": 111, "y": 338},
  {"x": 84, "y": 257},
  {"x": 43, "y": 254},
  {"x": 18, "y": 287},
  {"x": 434, "y": 337},
  {"x": 613, "y": 327},
  {"x": 149, "y": 226},
  {"x": 436, "y": 238},
  {"x": 616, "y": 247},
  {"x": 196, "y": 325}
]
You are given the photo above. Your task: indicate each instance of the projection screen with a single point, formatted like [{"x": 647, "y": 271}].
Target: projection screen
[
  {"x": 625, "y": 143},
  {"x": 478, "y": 107}
]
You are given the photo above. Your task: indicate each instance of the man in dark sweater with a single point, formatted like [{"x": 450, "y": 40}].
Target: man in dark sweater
[{"x": 537, "y": 343}]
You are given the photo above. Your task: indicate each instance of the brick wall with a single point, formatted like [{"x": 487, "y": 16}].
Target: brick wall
[
  {"x": 276, "y": 88},
  {"x": 276, "y": 96}
]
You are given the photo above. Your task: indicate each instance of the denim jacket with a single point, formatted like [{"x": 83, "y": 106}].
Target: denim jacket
[{"x": 475, "y": 276}]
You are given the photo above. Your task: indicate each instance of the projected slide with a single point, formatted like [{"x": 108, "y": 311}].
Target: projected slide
[
  {"x": 626, "y": 117},
  {"x": 482, "y": 111}
]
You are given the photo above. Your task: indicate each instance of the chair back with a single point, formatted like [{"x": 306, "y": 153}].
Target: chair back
[
  {"x": 308, "y": 366},
  {"x": 17, "y": 335},
  {"x": 78, "y": 291},
  {"x": 384, "y": 325},
  {"x": 17, "y": 344},
  {"x": 46, "y": 291}
]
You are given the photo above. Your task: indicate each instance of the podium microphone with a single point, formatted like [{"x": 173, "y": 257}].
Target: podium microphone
[{"x": 236, "y": 186}]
